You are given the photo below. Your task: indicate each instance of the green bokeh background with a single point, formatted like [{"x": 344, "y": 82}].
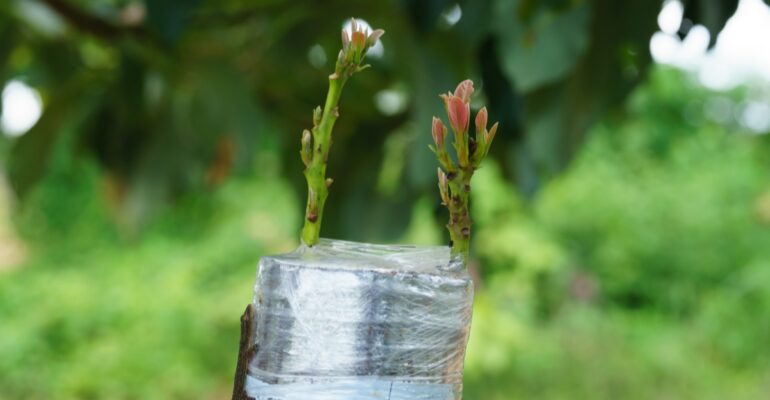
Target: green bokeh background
[{"x": 621, "y": 243}]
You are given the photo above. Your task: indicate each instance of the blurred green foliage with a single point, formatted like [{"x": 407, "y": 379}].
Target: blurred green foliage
[
  {"x": 639, "y": 273},
  {"x": 166, "y": 163},
  {"x": 171, "y": 96}
]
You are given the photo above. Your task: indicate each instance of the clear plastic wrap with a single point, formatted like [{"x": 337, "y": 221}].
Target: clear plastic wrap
[{"x": 354, "y": 321}]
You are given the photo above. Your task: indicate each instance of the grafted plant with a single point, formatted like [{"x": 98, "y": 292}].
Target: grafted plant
[
  {"x": 317, "y": 142},
  {"x": 454, "y": 175}
]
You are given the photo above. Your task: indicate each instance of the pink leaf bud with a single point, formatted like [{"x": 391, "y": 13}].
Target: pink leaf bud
[
  {"x": 481, "y": 122},
  {"x": 491, "y": 134},
  {"x": 374, "y": 37},
  {"x": 443, "y": 186},
  {"x": 459, "y": 114},
  {"x": 439, "y": 132},
  {"x": 359, "y": 40},
  {"x": 464, "y": 90}
]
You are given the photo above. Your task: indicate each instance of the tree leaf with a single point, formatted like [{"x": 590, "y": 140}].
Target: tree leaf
[
  {"x": 543, "y": 49},
  {"x": 170, "y": 18},
  {"x": 558, "y": 116}
]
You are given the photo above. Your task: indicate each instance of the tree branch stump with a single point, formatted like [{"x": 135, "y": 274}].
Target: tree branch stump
[{"x": 245, "y": 352}]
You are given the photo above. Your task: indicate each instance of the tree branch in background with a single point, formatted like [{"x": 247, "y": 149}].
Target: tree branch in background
[{"x": 91, "y": 24}]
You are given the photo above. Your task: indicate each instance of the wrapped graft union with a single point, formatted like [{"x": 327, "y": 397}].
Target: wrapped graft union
[{"x": 355, "y": 321}]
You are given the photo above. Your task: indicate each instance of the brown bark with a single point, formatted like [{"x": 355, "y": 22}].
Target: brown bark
[{"x": 245, "y": 352}]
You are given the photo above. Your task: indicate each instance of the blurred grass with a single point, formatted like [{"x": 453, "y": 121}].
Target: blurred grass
[
  {"x": 93, "y": 316},
  {"x": 641, "y": 273}
]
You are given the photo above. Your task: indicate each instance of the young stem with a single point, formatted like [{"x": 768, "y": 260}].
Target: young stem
[
  {"x": 315, "y": 172},
  {"x": 316, "y": 144},
  {"x": 459, "y": 225}
]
